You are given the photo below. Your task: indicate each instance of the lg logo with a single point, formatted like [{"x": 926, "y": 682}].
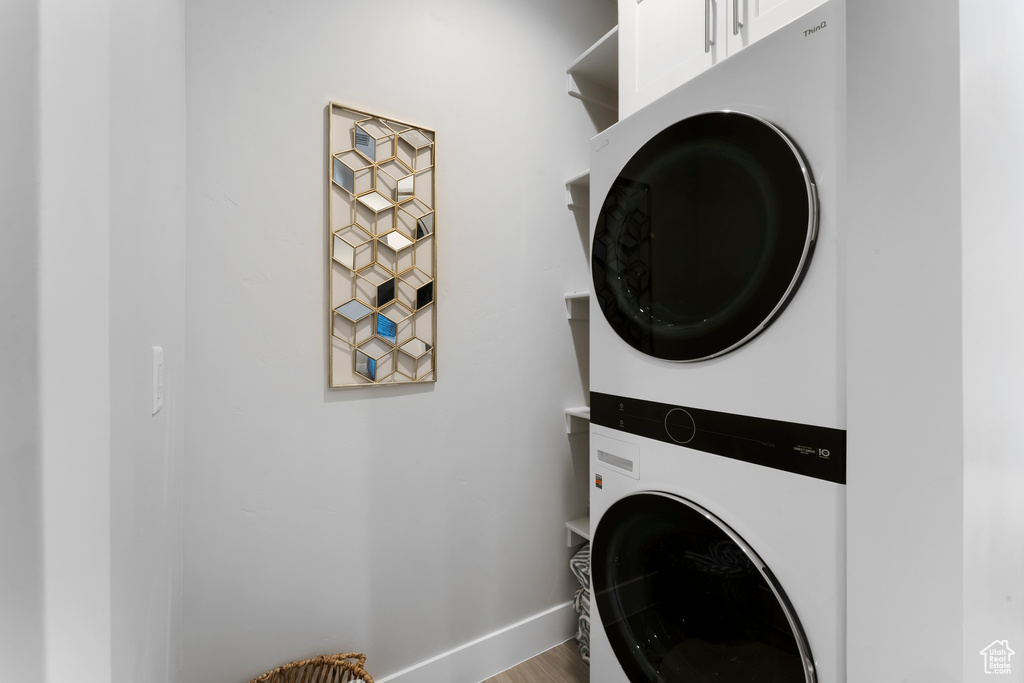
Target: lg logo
[{"x": 815, "y": 29}]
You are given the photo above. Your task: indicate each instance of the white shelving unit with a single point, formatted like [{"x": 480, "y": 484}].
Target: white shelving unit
[
  {"x": 577, "y": 191},
  {"x": 593, "y": 78},
  {"x": 577, "y": 306},
  {"x": 577, "y": 531},
  {"x": 577, "y": 419}
]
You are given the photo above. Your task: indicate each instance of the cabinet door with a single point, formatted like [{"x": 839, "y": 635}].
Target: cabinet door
[
  {"x": 662, "y": 44},
  {"x": 758, "y": 18}
]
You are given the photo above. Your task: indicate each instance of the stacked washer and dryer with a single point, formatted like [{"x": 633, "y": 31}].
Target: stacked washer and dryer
[{"x": 717, "y": 373}]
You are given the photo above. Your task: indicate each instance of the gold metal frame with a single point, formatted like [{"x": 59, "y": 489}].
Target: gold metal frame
[{"x": 385, "y": 332}]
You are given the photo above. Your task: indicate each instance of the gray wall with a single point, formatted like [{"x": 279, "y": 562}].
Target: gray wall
[
  {"x": 934, "y": 366},
  {"x": 21, "y": 590},
  {"x": 402, "y": 522},
  {"x": 147, "y": 298},
  {"x": 355, "y": 510},
  {"x": 93, "y": 276},
  {"x": 74, "y": 335},
  {"x": 993, "y": 332},
  {"x": 905, "y": 413}
]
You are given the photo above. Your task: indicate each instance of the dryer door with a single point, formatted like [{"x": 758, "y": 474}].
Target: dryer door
[
  {"x": 683, "y": 599},
  {"x": 704, "y": 236}
]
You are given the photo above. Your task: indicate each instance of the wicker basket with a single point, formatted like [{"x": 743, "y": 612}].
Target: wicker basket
[{"x": 341, "y": 668}]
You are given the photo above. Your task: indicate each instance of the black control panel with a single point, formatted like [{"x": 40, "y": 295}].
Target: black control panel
[{"x": 818, "y": 452}]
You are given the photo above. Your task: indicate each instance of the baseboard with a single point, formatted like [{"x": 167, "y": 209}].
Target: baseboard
[{"x": 491, "y": 654}]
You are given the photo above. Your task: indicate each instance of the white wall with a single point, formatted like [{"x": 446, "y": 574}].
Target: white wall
[
  {"x": 21, "y": 561},
  {"x": 74, "y": 335},
  {"x": 147, "y": 296},
  {"x": 905, "y": 411},
  {"x": 993, "y": 332},
  {"x": 402, "y": 522},
  {"x": 322, "y": 520},
  {"x": 935, "y": 335},
  {"x": 93, "y": 275}
]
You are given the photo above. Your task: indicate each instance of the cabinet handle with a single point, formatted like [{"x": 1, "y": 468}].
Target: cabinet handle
[
  {"x": 736, "y": 23},
  {"x": 707, "y": 27}
]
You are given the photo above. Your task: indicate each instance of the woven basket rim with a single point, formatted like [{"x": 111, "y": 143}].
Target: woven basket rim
[{"x": 343, "y": 660}]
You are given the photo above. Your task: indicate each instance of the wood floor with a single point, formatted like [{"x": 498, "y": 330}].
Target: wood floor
[{"x": 560, "y": 664}]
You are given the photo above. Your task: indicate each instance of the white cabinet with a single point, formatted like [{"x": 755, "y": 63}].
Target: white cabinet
[
  {"x": 664, "y": 43},
  {"x": 761, "y": 17},
  {"x": 661, "y": 44}
]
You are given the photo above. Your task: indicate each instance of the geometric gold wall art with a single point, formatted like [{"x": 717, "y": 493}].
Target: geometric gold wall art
[{"x": 383, "y": 253}]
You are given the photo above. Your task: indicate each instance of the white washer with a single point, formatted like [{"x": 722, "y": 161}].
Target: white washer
[
  {"x": 717, "y": 393},
  {"x": 707, "y": 568},
  {"x": 718, "y": 248}
]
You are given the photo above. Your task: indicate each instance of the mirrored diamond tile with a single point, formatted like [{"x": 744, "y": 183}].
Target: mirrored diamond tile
[{"x": 354, "y": 310}]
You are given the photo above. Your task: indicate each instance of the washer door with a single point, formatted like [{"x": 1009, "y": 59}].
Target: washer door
[
  {"x": 704, "y": 236},
  {"x": 683, "y": 599}
]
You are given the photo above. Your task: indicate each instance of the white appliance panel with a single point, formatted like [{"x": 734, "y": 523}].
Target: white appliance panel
[{"x": 794, "y": 370}]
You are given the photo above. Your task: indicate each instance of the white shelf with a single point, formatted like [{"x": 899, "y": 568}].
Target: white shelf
[
  {"x": 577, "y": 419},
  {"x": 577, "y": 531},
  {"x": 577, "y": 191},
  {"x": 577, "y": 306},
  {"x": 594, "y": 76}
]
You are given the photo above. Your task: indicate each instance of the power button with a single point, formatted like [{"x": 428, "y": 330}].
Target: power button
[{"x": 679, "y": 426}]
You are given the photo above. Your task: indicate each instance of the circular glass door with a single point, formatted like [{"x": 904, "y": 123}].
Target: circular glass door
[
  {"x": 683, "y": 599},
  {"x": 704, "y": 236}
]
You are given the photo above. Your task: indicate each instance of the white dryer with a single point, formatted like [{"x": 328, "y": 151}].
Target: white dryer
[
  {"x": 715, "y": 242},
  {"x": 717, "y": 373}
]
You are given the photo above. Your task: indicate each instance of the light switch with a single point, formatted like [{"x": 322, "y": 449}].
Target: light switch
[{"x": 158, "y": 378}]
